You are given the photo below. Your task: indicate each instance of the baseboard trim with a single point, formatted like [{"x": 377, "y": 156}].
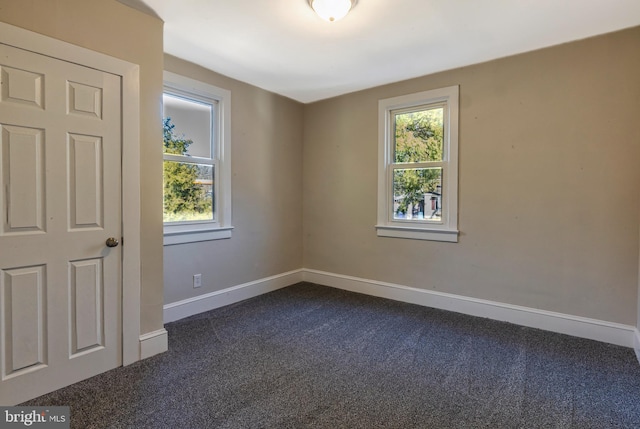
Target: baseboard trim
[
  {"x": 593, "y": 329},
  {"x": 599, "y": 330},
  {"x": 199, "y": 304},
  {"x": 154, "y": 343}
]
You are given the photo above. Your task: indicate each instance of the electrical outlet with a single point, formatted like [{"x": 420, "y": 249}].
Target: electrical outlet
[{"x": 197, "y": 280}]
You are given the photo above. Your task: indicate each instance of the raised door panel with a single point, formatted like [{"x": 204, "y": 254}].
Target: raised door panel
[
  {"x": 23, "y": 179},
  {"x": 24, "y": 320},
  {"x": 84, "y": 100},
  {"x": 86, "y": 294},
  {"x": 86, "y": 195},
  {"x": 22, "y": 87}
]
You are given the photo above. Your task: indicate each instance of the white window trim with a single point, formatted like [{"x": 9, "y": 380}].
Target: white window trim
[
  {"x": 221, "y": 228},
  {"x": 387, "y": 226}
]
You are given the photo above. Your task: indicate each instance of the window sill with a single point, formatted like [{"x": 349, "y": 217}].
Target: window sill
[
  {"x": 413, "y": 233},
  {"x": 181, "y": 236}
]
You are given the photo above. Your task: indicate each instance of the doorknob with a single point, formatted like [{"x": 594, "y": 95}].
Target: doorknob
[{"x": 112, "y": 242}]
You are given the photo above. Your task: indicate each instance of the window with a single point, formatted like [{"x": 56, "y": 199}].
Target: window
[
  {"x": 418, "y": 166},
  {"x": 197, "y": 179}
]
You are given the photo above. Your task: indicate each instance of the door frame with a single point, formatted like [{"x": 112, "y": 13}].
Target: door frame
[{"x": 130, "y": 192}]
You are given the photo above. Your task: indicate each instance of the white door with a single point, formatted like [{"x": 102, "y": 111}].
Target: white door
[{"x": 60, "y": 175}]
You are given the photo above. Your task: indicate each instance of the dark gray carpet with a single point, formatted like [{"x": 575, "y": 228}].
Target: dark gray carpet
[{"x": 310, "y": 356}]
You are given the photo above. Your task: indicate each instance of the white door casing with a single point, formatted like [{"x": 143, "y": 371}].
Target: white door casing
[{"x": 46, "y": 225}]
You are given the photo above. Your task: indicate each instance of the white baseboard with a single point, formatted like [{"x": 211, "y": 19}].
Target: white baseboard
[
  {"x": 608, "y": 332},
  {"x": 598, "y": 330},
  {"x": 199, "y": 304},
  {"x": 153, "y": 343}
]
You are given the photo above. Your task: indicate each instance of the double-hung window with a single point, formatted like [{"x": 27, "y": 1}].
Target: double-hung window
[
  {"x": 196, "y": 147},
  {"x": 418, "y": 166}
]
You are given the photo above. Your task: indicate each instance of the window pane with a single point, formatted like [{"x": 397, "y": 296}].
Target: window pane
[
  {"x": 417, "y": 194},
  {"x": 191, "y": 131},
  {"x": 419, "y": 135},
  {"x": 188, "y": 192}
]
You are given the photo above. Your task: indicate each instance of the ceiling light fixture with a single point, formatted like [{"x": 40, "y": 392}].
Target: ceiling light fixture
[{"x": 332, "y": 10}]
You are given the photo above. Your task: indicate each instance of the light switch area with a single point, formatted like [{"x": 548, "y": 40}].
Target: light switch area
[{"x": 197, "y": 280}]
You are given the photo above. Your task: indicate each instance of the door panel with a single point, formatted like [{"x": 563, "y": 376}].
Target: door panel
[
  {"x": 85, "y": 181},
  {"x": 86, "y": 291},
  {"x": 60, "y": 169},
  {"x": 22, "y": 86},
  {"x": 25, "y": 309},
  {"x": 23, "y": 179}
]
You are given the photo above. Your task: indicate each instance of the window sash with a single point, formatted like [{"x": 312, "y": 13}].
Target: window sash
[
  {"x": 416, "y": 109},
  {"x": 213, "y": 116},
  {"x": 199, "y": 161},
  {"x": 443, "y": 192}
]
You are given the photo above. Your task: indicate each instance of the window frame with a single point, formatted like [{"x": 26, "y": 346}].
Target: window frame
[
  {"x": 387, "y": 226},
  {"x": 220, "y": 227}
]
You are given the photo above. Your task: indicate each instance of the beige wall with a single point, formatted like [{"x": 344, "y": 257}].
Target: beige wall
[
  {"x": 549, "y": 183},
  {"x": 266, "y": 153},
  {"x": 111, "y": 28}
]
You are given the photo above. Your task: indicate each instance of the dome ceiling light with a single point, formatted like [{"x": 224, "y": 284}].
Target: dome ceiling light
[{"x": 332, "y": 10}]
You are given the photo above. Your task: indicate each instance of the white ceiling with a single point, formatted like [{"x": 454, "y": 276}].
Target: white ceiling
[{"x": 284, "y": 47}]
